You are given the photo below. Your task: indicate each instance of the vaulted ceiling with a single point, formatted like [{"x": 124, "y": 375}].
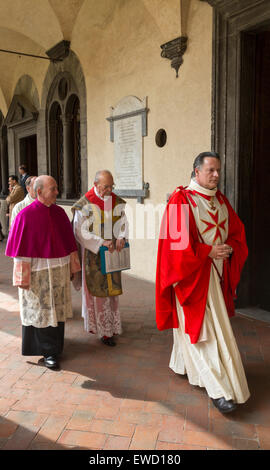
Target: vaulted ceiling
[
  {"x": 31, "y": 27},
  {"x": 35, "y": 26}
]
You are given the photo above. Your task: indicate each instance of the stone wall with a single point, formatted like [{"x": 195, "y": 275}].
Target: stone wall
[{"x": 115, "y": 52}]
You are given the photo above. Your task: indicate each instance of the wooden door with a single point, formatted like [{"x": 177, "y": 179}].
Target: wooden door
[
  {"x": 254, "y": 168},
  {"x": 28, "y": 154},
  {"x": 260, "y": 248}
]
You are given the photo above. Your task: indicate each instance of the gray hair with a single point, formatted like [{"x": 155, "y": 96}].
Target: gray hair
[
  {"x": 199, "y": 160},
  {"x": 100, "y": 173},
  {"x": 29, "y": 179},
  {"x": 38, "y": 184}
]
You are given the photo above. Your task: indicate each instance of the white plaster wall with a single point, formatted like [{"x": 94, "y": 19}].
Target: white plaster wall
[
  {"x": 127, "y": 61},
  {"x": 118, "y": 45}
]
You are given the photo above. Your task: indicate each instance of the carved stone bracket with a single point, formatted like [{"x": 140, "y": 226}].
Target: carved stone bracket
[
  {"x": 60, "y": 51},
  {"x": 174, "y": 51}
]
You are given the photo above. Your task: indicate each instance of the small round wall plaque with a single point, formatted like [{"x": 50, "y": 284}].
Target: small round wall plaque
[{"x": 161, "y": 138}]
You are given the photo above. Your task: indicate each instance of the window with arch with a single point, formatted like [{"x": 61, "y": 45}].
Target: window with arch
[{"x": 63, "y": 117}]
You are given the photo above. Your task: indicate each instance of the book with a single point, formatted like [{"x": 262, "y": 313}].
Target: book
[{"x": 116, "y": 261}]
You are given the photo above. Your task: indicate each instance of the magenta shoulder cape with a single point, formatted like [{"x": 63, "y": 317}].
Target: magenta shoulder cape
[{"x": 39, "y": 231}]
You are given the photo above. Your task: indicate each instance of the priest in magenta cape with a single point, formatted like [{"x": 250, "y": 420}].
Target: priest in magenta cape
[
  {"x": 196, "y": 284},
  {"x": 44, "y": 249},
  {"x": 100, "y": 292}
]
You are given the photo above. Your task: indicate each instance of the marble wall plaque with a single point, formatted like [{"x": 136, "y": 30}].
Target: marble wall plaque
[
  {"x": 128, "y": 124},
  {"x": 128, "y": 153}
]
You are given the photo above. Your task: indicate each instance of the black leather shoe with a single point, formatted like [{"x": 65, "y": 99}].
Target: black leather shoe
[
  {"x": 108, "y": 341},
  {"x": 51, "y": 362},
  {"x": 224, "y": 406}
]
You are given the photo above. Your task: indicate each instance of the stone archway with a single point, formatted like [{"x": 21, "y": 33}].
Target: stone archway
[
  {"x": 19, "y": 135},
  {"x": 21, "y": 123},
  {"x": 3, "y": 157}
]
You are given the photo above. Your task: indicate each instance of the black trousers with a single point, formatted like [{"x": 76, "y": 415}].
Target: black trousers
[{"x": 43, "y": 341}]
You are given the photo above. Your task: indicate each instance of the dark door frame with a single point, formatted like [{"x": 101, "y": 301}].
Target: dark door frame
[
  {"x": 233, "y": 91},
  {"x": 230, "y": 19}
]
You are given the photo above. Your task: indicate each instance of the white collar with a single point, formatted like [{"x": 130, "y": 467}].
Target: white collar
[
  {"x": 29, "y": 197},
  {"x": 207, "y": 192}
]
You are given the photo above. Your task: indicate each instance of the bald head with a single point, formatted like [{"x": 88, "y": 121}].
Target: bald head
[
  {"x": 102, "y": 173},
  {"x": 46, "y": 189},
  {"x": 104, "y": 182}
]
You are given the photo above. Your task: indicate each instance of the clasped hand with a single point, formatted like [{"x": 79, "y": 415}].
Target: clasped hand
[
  {"x": 220, "y": 251},
  {"x": 120, "y": 243}
]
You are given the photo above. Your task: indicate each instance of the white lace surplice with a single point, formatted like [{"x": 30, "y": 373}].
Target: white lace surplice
[{"x": 48, "y": 300}]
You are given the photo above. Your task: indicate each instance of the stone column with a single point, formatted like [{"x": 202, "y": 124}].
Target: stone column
[
  {"x": 1, "y": 169},
  {"x": 4, "y": 163},
  {"x": 67, "y": 156},
  {"x": 4, "y": 178},
  {"x": 52, "y": 164}
]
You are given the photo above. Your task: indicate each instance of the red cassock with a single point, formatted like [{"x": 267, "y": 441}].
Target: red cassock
[{"x": 190, "y": 267}]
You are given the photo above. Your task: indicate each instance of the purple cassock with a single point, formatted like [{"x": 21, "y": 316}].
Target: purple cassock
[{"x": 39, "y": 231}]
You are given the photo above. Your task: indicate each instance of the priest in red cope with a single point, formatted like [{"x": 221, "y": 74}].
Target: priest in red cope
[
  {"x": 44, "y": 249},
  {"x": 99, "y": 220},
  {"x": 201, "y": 253}
]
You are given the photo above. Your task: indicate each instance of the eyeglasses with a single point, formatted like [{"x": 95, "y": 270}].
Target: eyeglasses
[{"x": 108, "y": 186}]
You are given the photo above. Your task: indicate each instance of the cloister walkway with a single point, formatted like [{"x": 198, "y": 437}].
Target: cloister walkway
[{"x": 124, "y": 397}]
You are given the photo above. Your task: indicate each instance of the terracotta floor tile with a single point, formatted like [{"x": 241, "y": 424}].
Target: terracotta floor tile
[
  {"x": 165, "y": 408},
  {"x": 81, "y": 420},
  {"x": 264, "y": 437},
  {"x": 123, "y": 397},
  {"x": 117, "y": 443},
  {"x": 197, "y": 418},
  {"x": 206, "y": 439},
  {"x": 87, "y": 440},
  {"x": 173, "y": 446},
  {"x": 233, "y": 428},
  {"x": 245, "y": 444},
  {"x": 21, "y": 439},
  {"x": 130, "y": 415},
  {"x": 48, "y": 445},
  {"x": 128, "y": 404},
  {"x": 6, "y": 404},
  {"x": 172, "y": 429},
  {"x": 144, "y": 438},
  {"x": 7, "y": 428},
  {"x": 107, "y": 412},
  {"x": 116, "y": 428},
  {"x": 51, "y": 429},
  {"x": 28, "y": 419}
]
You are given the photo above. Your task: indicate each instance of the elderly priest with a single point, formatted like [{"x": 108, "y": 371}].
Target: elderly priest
[
  {"x": 97, "y": 209},
  {"x": 44, "y": 249}
]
